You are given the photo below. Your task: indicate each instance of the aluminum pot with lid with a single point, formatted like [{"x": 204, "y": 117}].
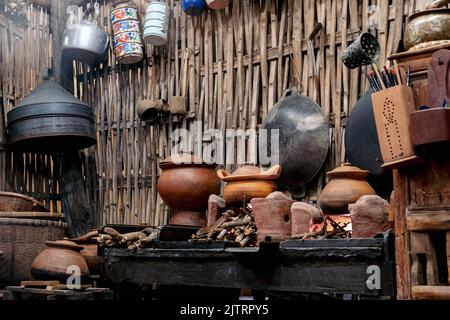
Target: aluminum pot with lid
[{"x": 85, "y": 42}]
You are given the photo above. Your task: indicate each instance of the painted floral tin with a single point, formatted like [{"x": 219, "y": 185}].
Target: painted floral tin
[
  {"x": 126, "y": 26},
  {"x": 128, "y": 53},
  {"x": 121, "y": 14},
  {"x": 127, "y": 37}
]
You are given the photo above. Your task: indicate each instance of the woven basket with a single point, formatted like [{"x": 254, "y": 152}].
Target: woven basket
[{"x": 22, "y": 240}]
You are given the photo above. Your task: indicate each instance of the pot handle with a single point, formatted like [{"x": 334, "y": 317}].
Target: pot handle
[
  {"x": 222, "y": 174},
  {"x": 290, "y": 92},
  {"x": 274, "y": 172}
]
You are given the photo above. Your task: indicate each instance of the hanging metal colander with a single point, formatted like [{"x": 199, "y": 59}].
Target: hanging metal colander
[{"x": 363, "y": 51}]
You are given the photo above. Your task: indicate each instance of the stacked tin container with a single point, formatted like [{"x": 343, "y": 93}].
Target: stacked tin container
[
  {"x": 156, "y": 24},
  {"x": 128, "y": 45}
]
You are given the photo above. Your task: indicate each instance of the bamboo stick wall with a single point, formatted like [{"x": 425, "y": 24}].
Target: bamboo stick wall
[
  {"x": 241, "y": 60},
  {"x": 24, "y": 52}
]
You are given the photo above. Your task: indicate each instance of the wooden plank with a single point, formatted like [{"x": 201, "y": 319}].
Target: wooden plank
[
  {"x": 428, "y": 221},
  {"x": 430, "y": 292}
]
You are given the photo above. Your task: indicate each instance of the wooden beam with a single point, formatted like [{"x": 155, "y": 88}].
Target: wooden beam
[
  {"x": 74, "y": 198},
  {"x": 428, "y": 221}
]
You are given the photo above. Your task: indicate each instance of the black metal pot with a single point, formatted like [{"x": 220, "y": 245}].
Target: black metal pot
[
  {"x": 304, "y": 139},
  {"x": 51, "y": 119}
]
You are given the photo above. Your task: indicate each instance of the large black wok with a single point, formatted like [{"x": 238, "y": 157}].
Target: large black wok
[{"x": 304, "y": 139}]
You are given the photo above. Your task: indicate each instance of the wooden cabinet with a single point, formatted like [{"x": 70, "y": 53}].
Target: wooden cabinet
[{"x": 421, "y": 205}]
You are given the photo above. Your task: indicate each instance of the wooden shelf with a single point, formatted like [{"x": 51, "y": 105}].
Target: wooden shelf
[
  {"x": 430, "y": 292},
  {"x": 428, "y": 221}
]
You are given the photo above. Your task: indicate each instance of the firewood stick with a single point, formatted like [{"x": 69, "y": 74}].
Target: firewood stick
[
  {"x": 112, "y": 232},
  {"x": 306, "y": 235},
  {"x": 218, "y": 222},
  {"x": 244, "y": 242},
  {"x": 239, "y": 237},
  {"x": 247, "y": 219},
  {"x": 222, "y": 234},
  {"x": 132, "y": 236}
]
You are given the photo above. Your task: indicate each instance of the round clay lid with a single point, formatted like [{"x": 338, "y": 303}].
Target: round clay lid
[
  {"x": 64, "y": 244},
  {"x": 184, "y": 159},
  {"x": 348, "y": 171},
  {"x": 250, "y": 172},
  {"x": 247, "y": 169}
]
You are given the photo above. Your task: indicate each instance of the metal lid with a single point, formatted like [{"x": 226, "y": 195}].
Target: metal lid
[{"x": 50, "y": 92}]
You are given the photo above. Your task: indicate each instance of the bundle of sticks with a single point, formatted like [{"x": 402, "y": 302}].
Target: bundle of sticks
[
  {"x": 337, "y": 231},
  {"x": 111, "y": 238},
  {"x": 234, "y": 225}
]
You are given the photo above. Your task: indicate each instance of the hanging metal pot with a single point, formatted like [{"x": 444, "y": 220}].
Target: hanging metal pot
[
  {"x": 86, "y": 43},
  {"x": 51, "y": 119},
  {"x": 303, "y": 138},
  {"x": 361, "y": 139}
]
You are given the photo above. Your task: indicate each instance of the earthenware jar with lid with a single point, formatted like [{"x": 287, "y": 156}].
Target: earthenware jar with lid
[
  {"x": 55, "y": 261},
  {"x": 185, "y": 184},
  {"x": 248, "y": 182},
  {"x": 346, "y": 185}
]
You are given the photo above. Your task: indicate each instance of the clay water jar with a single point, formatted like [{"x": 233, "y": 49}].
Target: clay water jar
[
  {"x": 346, "y": 185},
  {"x": 185, "y": 184},
  {"x": 248, "y": 182},
  {"x": 53, "y": 261}
]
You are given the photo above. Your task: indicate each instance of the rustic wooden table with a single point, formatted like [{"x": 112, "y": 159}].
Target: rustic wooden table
[{"x": 311, "y": 266}]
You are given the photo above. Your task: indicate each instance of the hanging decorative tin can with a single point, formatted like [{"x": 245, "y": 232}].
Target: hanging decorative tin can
[
  {"x": 127, "y": 40},
  {"x": 156, "y": 24},
  {"x": 193, "y": 7}
]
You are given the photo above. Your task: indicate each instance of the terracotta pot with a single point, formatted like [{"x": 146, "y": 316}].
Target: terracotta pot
[
  {"x": 52, "y": 263},
  {"x": 248, "y": 182},
  {"x": 185, "y": 185},
  {"x": 347, "y": 184},
  {"x": 217, "y": 4},
  {"x": 428, "y": 26}
]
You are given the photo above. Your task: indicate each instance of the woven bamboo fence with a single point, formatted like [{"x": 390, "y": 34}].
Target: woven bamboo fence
[
  {"x": 24, "y": 52},
  {"x": 240, "y": 62}
]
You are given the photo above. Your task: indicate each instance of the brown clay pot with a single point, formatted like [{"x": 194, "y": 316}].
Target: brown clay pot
[
  {"x": 248, "y": 182},
  {"x": 185, "y": 185},
  {"x": 53, "y": 261},
  {"x": 347, "y": 184},
  {"x": 217, "y": 4}
]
